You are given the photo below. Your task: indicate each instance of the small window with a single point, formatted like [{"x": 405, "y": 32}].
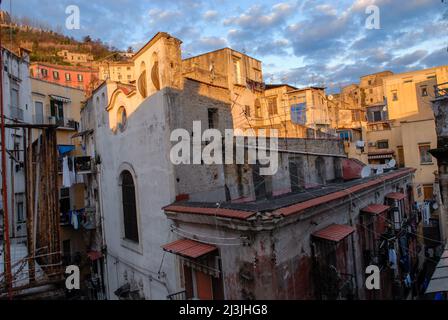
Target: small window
[
  {"x": 44, "y": 72},
  {"x": 20, "y": 213},
  {"x": 424, "y": 91},
  {"x": 80, "y": 77},
  {"x": 394, "y": 96},
  {"x": 129, "y": 207},
  {"x": 272, "y": 106},
  {"x": 237, "y": 71},
  {"x": 370, "y": 82},
  {"x": 425, "y": 156},
  {"x": 212, "y": 118},
  {"x": 67, "y": 77},
  {"x": 121, "y": 119},
  {"x": 247, "y": 110},
  {"x": 383, "y": 144}
]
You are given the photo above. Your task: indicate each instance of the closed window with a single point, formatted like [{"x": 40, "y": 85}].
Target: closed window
[
  {"x": 272, "y": 106},
  {"x": 425, "y": 156},
  {"x": 129, "y": 207},
  {"x": 80, "y": 77},
  {"x": 55, "y": 75},
  {"x": 67, "y": 77},
  {"x": 237, "y": 71}
]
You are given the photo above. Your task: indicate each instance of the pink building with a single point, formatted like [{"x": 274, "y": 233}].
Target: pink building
[{"x": 76, "y": 77}]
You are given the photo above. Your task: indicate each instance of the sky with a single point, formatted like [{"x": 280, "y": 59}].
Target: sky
[{"x": 300, "y": 42}]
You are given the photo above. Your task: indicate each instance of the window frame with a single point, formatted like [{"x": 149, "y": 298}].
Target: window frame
[
  {"x": 428, "y": 146},
  {"x": 128, "y": 244}
]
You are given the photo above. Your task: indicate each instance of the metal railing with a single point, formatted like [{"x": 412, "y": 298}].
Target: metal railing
[
  {"x": 182, "y": 295},
  {"x": 441, "y": 90}
]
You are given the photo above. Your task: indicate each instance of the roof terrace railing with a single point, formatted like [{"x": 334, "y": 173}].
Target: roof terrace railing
[{"x": 441, "y": 90}]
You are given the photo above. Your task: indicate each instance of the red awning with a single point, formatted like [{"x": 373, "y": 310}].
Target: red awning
[
  {"x": 189, "y": 248},
  {"x": 375, "y": 209},
  {"x": 396, "y": 196},
  {"x": 335, "y": 232}
]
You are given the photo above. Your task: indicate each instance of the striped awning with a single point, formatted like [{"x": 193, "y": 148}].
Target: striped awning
[
  {"x": 189, "y": 248},
  {"x": 383, "y": 155},
  {"x": 60, "y": 99}
]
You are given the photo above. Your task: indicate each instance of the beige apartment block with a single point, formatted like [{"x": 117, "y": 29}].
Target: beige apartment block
[
  {"x": 74, "y": 57},
  {"x": 117, "y": 71}
]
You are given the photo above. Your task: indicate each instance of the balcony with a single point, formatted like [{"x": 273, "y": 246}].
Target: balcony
[
  {"x": 379, "y": 126},
  {"x": 64, "y": 123},
  {"x": 441, "y": 90}
]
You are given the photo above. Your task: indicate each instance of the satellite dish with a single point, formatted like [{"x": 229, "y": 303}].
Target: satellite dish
[
  {"x": 330, "y": 97},
  {"x": 392, "y": 163},
  {"x": 366, "y": 172}
]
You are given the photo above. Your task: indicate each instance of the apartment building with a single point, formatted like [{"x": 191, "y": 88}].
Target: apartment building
[
  {"x": 118, "y": 71},
  {"x": 84, "y": 78},
  {"x": 75, "y": 58},
  {"x": 61, "y": 105},
  {"x": 17, "y": 108}
]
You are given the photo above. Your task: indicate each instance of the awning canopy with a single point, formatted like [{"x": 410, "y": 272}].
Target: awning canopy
[
  {"x": 60, "y": 99},
  {"x": 335, "y": 232},
  {"x": 64, "y": 149},
  {"x": 439, "y": 280},
  {"x": 396, "y": 196},
  {"x": 189, "y": 248},
  {"x": 375, "y": 209},
  {"x": 386, "y": 154}
]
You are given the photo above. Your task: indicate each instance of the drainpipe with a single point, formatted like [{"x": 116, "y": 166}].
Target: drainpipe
[{"x": 354, "y": 252}]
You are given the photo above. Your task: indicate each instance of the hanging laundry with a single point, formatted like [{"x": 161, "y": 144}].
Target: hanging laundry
[
  {"x": 75, "y": 220},
  {"x": 426, "y": 213},
  {"x": 71, "y": 165},
  {"x": 392, "y": 259},
  {"x": 66, "y": 173}
]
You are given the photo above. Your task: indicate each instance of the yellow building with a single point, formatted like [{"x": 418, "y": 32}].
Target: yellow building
[
  {"x": 412, "y": 133},
  {"x": 240, "y": 74},
  {"x": 118, "y": 71},
  {"x": 56, "y": 104},
  {"x": 74, "y": 57}
]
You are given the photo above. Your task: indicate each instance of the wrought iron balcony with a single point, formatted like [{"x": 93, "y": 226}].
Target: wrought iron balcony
[{"x": 441, "y": 90}]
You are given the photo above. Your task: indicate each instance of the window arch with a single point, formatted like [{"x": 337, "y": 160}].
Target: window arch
[
  {"x": 155, "y": 72},
  {"x": 142, "y": 86},
  {"x": 121, "y": 119},
  {"x": 129, "y": 207}
]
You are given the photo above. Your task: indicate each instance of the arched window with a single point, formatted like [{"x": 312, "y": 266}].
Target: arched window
[
  {"x": 155, "y": 72},
  {"x": 129, "y": 207},
  {"x": 121, "y": 119},
  {"x": 142, "y": 87}
]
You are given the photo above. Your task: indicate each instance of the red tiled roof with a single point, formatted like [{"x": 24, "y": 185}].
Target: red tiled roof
[
  {"x": 228, "y": 213},
  {"x": 335, "y": 232},
  {"x": 287, "y": 211},
  {"x": 396, "y": 196},
  {"x": 189, "y": 248},
  {"x": 375, "y": 208}
]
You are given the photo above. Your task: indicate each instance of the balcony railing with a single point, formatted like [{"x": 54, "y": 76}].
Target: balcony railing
[
  {"x": 64, "y": 123},
  {"x": 441, "y": 90},
  {"x": 182, "y": 295}
]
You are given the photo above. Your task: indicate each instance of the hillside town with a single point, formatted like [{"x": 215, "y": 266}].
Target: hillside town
[{"x": 89, "y": 180}]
